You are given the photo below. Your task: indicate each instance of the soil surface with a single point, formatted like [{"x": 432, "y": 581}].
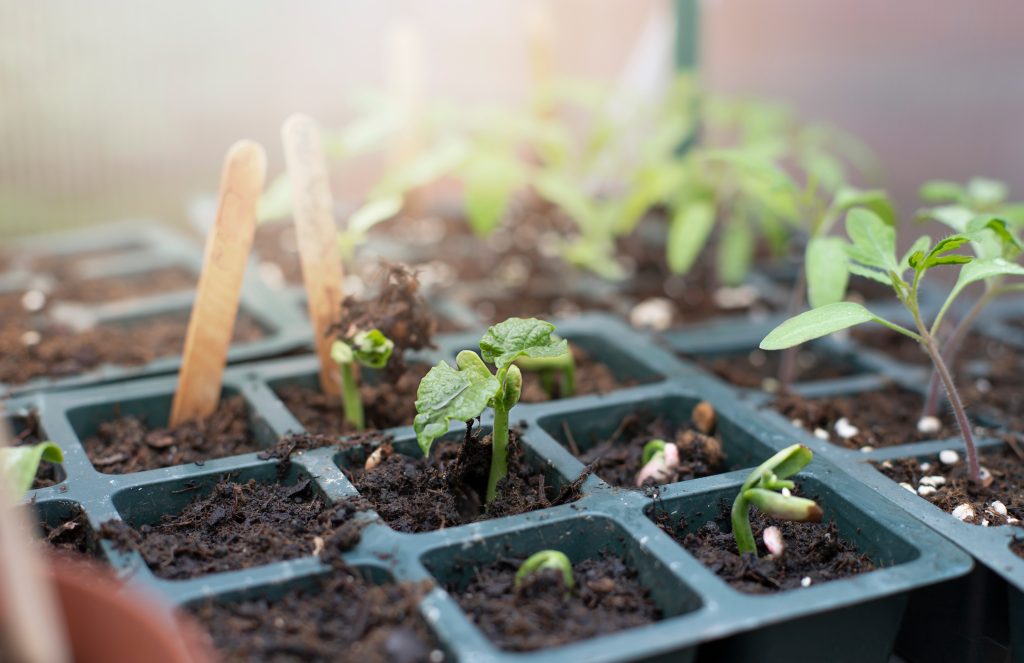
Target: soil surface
[
  {"x": 1017, "y": 547},
  {"x": 238, "y": 526},
  {"x": 74, "y": 535},
  {"x": 110, "y": 289},
  {"x": 997, "y": 395},
  {"x": 385, "y": 405},
  {"x": 421, "y": 495},
  {"x": 760, "y": 369},
  {"x": 813, "y": 550},
  {"x": 343, "y": 618},
  {"x": 553, "y": 307},
  {"x": 540, "y": 613},
  {"x": 67, "y": 266},
  {"x": 33, "y": 346},
  {"x": 883, "y": 418},
  {"x": 27, "y": 432},
  {"x": 953, "y": 489},
  {"x": 592, "y": 377},
  {"x": 618, "y": 458},
  {"x": 127, "y": 444}
]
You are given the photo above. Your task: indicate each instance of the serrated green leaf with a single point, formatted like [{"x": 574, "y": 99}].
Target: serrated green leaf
[
  {"x": 447, "y": 394},
  {"x": 920, "y": 246},
  {"x": 688, "y": 233},
  {"x": 816, "y": 323},
  {"x": 998, "y": 227},
  {"x": 941, "y": 191},
  {"x": 869, "y": 273},
  {"x": 18, "y": 465},
  {"x": 956, "y": 217},
  {"x": 827, "y": 270},
  {"x": 935, "y": 257},
  {"x": 506, "y": 341},
  {"x": 954, "y": 259},
  {"x": 874, "y": 241}
]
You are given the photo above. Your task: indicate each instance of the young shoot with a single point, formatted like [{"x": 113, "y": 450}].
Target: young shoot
[
  {"x": 659, "y": 461},
  {"x": 543, "y": 561},
  {"x": 464, "y": 392},
  {"x": 549, "y": 369},
  {"x": 872, "y": 254},
  {"x": 371, "y": 349},
  {"x": 767, "y": 488},
  {"x": 18, "y": 465}
]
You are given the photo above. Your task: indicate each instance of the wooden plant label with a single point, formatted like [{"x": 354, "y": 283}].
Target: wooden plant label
[
  {"x": 317, "y": 238},
  {"x": 212, "y": 322}
]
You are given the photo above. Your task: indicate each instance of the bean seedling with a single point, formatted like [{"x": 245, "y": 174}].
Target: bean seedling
[
  {"x": 767, "y": 488},
  {"x": 543, "y": 561},
  {"x": 371, "y": 349},
  {"x": 19, "y": 465},
  {"x": 464, "y": 392},
  {"x": 872, "y": 254},
  {"x": 549, "y": 369}
]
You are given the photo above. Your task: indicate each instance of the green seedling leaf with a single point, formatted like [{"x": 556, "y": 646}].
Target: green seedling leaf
[
  {"x": 735, "y": 252},
  {"x": 562, "y": 192},
  {"x": 688, "y": 233},
  {"x": 941, "y": 191},
  {"x": 782, "y": 465},
  {"x": 827, "y": 270},
  {"x": 986, "y": 193},
  {"x": 341, "y": 353},
  {"x": 876, "y": 200},
  {"x": 490, "y": 179},
  {"x": 816, "y": 323},
  {"x": 874, "y": 241},
  {"x": 777, "y": 505},
  {"x": 919, "y": 248},
  {"x": 998, "y": 227},
  {"x": 446, "y": 393},
  {"x": 372, "y": 348},
  {"x": 546, "y": 559},
  {"x": 19, "y": 465},
  {"x": 651, "y": 448},
  {"x": 869, "y": 273},
  {"x": 980, "y": 270},
  {"x": 507, "y": 341}
]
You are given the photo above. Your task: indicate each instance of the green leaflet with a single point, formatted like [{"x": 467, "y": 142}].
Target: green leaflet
[
  {"x": 816, "y": 323},
  {"x": 18, "y": 465},
  {"x": 978, "y": 270},
  {"x": 446, "y": 393},
  {"x": 506, "y": 341},
  {"x": 828, "y": 271},
  {"x": 688, "y": 233},
  {"x": 490, "y": 179},
  {"x": 874, "y": 241}
]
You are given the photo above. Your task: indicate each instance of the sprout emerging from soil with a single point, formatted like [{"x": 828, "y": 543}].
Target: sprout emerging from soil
[
  {"x": 872, "y": 254},
  {"x": 549, "y": 369},
  {"x": 544, "y": 560},
  {"x": 764, "y": 490},
  {"x": 659, "y": 460},
  {"x": 371, "y": 349},
  {"x": 464, "y": 392},
  {"x": 18, "y": 465}
]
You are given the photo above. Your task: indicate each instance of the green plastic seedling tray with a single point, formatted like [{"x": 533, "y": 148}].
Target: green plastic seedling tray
[
  {"x": 702, "y": 615},
  {"x": 977, "y": 610},
  {"x": 149, "y": 246}
]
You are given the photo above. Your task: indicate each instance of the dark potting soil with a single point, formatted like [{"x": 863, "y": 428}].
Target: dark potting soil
[
  {"x": 1017, "y": 547},
  {"x": 27, "y": 431},
  {"x": 953, "y": 489},
  {"x": 127, "y": 444},
  {"x": 618, "y": 458},
  {"x": 448, "y": 488},
  {"x": 111, "y": 289},
  {"x": 342, "y": 618},
  {"x": 73, "y": 535},
  {"x": 997, "y": 395},
  {"x": 760, "y": 369},
  {"x": 540, "y": 614},
  {"x": 592, "y": 377},
  {"x": 238, "y": 526},
  {"x": 813, "y": 550},
  {"x": 884, "y": 418},
  {"x": 59, "y": 351},
  {"x": 385, "y": 405}
]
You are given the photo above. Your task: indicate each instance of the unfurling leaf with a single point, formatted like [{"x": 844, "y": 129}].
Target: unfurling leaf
[
  {"x": 506, "y": 341},
  {"x": 816, "y": 323},
  {"x": 446, "y": 393},
  {"x": 372, "y": 348}
]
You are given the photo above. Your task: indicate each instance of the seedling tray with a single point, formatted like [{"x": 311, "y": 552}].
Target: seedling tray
[
  {"x": 127, "y": 249},
  {"x": 853, "y": 619}
]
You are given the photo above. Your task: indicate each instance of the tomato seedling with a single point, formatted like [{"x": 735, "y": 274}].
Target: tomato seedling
[
  {"x": 543, "y": 561},
  {"x": 19, "y": 465}
]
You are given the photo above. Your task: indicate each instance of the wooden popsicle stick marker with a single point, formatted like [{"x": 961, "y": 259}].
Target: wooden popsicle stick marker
[
  {"x": 32, "y": 628},
  {"x": 317, "y": 238},
  {"x": 212, "y": 322}
]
